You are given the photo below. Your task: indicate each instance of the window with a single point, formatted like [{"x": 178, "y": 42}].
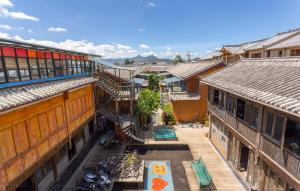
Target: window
[
  {"x": 87, "y": 66},
  {"x": 72, "y": 150},
  {"x": 42, "y": 67},
  {"x": 280, "y": 53},
  {"x": 295, "y": 52},
  {"x": 58, "y": 68},
  {"x": 254, "y": 117},
  {"x": 12, "y": 69},
  {"x": 23, "y": 67},
  {"x": 241, "y": 108},
  {"x": 82, "y": 66},
  {"x": 216, "y": 97},
  {"x": 74, "y": 67},
  {"x": 279, "y": 122},
  {"x": 64, "y": 64},
  {"x": 230, "y": 104},
  {"x": 292, "y": 134},
  {"x": 268, "y": 123},
  {"x": 222, "y": 99},
  {"x": 2, "y": 72},
  {"x": 50, "y": 67},
  {"x": 79, "y": 69},
  {"x": 34, "y": 68},
  {"x": 70, "y": 67}
]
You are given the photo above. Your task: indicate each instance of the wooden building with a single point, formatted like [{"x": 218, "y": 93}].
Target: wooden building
[
  {"x": 47, "y": 112},
  {"x": 187, "y": 96},
  {"x": 254, "y": 108}
]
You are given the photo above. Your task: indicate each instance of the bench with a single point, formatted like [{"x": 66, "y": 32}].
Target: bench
[{"x": 202, "y": 174}]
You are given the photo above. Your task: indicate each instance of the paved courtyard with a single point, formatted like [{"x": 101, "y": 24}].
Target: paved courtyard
[{"x": 223, "y": 177}]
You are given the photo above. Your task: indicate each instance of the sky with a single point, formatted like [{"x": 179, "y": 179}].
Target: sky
[{"x": 164, "y": 28}]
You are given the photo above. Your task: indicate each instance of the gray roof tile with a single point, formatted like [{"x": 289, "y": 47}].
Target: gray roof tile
[
  {"x": 273, "y": 81},
  {"x": 20, "y": 95}
]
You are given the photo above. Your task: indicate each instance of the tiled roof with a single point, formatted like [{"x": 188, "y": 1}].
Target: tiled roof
[
  {"x": 211, "y": 55},
  {"x": 187, "y": 70},
  {"x": 274, "y": 39},
  {"x": 175, "y": 96},
  {"x": 20, "y": 95},
  {"x": 291, "y": 42},
  {"x": 274, "y": 81}
]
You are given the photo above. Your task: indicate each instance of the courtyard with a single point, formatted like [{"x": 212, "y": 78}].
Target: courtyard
[{"x": 191, "y": 144}]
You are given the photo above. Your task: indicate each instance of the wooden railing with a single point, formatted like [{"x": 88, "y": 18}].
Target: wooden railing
[
  {"x": 285, "y": 158},
  {"x": 124, "y": 89},
  {"x": 216, "y": 110},
  {"x": 246, "y": 131}
]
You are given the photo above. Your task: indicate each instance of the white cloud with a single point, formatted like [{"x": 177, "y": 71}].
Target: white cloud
[
  {"x": 149, "y": 53},
  {"x": 29, "y": 30},
  {"x": 150, "y": 4},
  {"x": 57, "y": 29},
  {"x": 16, "y": 15},
  {"x": 6, "y": 3},
  {"x": 142, "y": 29},
  {"x": 6, "y": 27},
  {"x": 113, "y": 50},
  {"x": 144, "y": 46},
  {"x": 4, "y": 35}
]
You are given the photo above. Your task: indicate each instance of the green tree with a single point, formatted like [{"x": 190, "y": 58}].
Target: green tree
[
  {"x": 127, "y": 62},
  {"x": 178, "y": 59},
  {"x": 148, "y": 102},
  {"x": 154, "y": 82}
]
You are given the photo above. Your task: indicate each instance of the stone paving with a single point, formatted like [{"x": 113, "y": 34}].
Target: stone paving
[{"x": 223, "y": 177}]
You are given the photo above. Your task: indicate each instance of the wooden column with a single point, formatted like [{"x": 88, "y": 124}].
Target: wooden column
[{"x": 262, "y": 177}]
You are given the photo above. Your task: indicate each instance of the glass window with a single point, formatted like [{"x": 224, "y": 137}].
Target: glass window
[
  {"x": 216, "y": 97},
  {"x": 254, "y": 117},
  {"x": 43, "y": 171},
  {"x": 87, "y": 66},
  {"x": 50, "y": 67},
  {"x": 2, "y": 72},
  {"x": 43, "y": 67},
  {"x": 241, "y": 108},
  {"x": 70, "y": 67},
  {"x": 23, "y": 67},
  {"x": 12, "y": 70},
  {"x": 74, "y": 67},
  {"x": 222, "y": 99},
  {"x": 79, "y": 67},
  {"x": 58, "y": 68},
  {"x": 64, "y": 64},
  {"x": 292, "y": 134},
  {"x": 268, "y": 123},
  {"x": 82, "y": 66},
  {"x": 278, "y": 127},
  {"x": 34, "y": 68},
  {"x": 230, "y": 104}
]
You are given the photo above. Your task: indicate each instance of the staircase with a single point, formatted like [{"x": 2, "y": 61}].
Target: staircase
[{"x": 117, "y": 92}]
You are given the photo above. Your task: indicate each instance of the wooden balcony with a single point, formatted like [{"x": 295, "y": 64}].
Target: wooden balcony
[
  {"x": 216, "y": 110},
  {"x": 283, "y": 157},
  {"x": 246, "y": 131}
]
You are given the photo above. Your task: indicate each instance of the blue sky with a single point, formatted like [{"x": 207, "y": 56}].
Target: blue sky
[{"x": 125, "y": 28}]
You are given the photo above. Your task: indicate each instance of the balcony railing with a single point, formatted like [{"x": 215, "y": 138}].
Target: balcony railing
[
  {"x": 284, "y": 158},
  {"x": 216, "y": 110}
]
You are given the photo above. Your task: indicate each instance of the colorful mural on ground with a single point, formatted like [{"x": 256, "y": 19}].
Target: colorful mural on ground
[{"x": 159, "y": 176}]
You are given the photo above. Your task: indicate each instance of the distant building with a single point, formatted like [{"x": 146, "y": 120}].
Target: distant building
[{"x": 188, "y": 97}]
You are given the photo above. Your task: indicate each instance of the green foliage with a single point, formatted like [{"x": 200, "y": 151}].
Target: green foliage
[
  {"x": 148, "y": 101},
  {"x": 154, "y": 82},
  {"x": 168, "y": 115},
  {"x": 178, "y": 59},
  {"x": 127, "y": 62}
]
